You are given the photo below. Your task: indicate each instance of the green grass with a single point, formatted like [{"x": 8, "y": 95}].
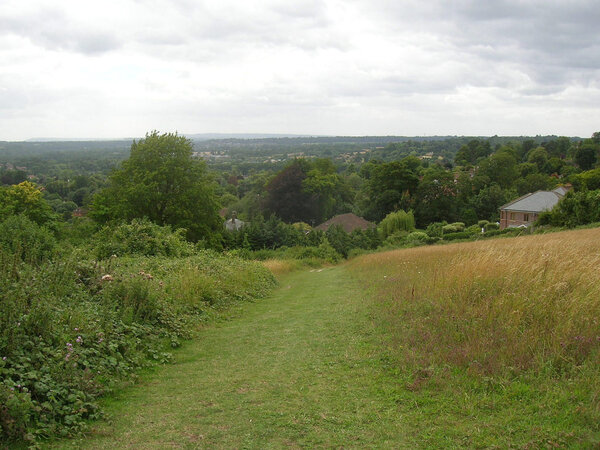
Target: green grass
[
  {"x": 317, "y": 364},
  {"x": 299, "y": 369}
]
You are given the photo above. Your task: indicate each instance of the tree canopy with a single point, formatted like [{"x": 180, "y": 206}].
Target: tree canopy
[{"x": 163, "y": 182}]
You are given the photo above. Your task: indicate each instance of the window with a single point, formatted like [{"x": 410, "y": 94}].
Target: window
[
  {"x": 526, "y": 217},
  {"x": 512, "y": 216}
]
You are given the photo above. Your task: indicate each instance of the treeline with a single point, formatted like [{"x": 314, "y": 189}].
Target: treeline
[
  {"x": 472, "y": 188},
  {"x": 182, "y": 191}
]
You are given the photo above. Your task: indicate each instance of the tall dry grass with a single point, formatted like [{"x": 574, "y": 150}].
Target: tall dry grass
[{"x": 501, "y": 305}]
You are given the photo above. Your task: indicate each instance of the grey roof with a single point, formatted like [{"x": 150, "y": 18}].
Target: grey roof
[
  {"x": 561, "y": 190},
  {"x": 537, "y": 202}
]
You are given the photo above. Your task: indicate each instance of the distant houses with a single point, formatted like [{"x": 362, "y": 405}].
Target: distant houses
[
  {"x": 349, "y": 222},
  {"x": 525, "y": 210}
]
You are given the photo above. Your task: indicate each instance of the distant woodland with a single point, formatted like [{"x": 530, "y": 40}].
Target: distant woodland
[{"x": 309, "y": 180}]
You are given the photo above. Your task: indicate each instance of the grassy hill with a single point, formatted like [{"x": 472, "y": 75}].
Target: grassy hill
[
  {"x": 491, "y": 344},
  {"x": 497, "y": 342}
]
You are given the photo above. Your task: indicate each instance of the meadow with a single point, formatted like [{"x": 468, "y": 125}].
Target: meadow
[{"x": 500, "y": 336}]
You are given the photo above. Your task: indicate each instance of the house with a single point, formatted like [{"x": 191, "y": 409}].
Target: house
[
  {"x": 349, "y": 222},
  {"x": 234, "y": 224},
  {"x": 525, "y": 210}
]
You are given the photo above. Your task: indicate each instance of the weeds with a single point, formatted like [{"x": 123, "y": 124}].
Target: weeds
[{"x": 511, "y": 304}]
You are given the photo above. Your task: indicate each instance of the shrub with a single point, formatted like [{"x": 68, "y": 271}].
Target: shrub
[
  {"x": 457, "y": 235},
  {"x": 70, "y": 329},
  {"x": 449, "y": 229},
  {"x": 575, "y": 208},
  {"x": 25, "y": 239},
  {"x": 327, "y": 252},
  {"x": 491, "y": 226},
  {"x": 397, "y": 221},
  {"x": 15, "y": 412},
  {"x": 460, "y": 226},
  {"x": 397, "y": 238},
  {"x": 474, "y": 229},
  {"x": 141, "y": 237},
  {"x": 417, "y": 237},
  {"x": 435, "y": 229},
  {"x": 482, "y": 223}
]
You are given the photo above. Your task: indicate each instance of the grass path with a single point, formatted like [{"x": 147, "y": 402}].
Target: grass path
[{"x": 298, "y": 369}]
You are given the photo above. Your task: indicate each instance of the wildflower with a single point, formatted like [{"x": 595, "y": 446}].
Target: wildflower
[
  {"x": 107, "y": 277},
  {"x": 76, "y": 329},
  {"x": 4, "y": 358},
  {"x": 79, "y": 339},
  {"x": 100, "y": 340}
]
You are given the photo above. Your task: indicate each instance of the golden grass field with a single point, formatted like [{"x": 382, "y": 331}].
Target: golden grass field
[{"x": 496, "y": 306}]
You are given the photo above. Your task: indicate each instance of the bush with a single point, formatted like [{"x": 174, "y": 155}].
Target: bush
[
  {"x": 70, "y": 329},
  {"x": 575, "y": 208},
  {"x": 435, "y": 229},
  {"x": 26, "y": 240},
  {"x": 397, "y": 238},
  {"x": 143, "y": 238},
  {"x": 491, "y": 226},
  {"x": 458, "y": 235},
  {"x": 417, "y": 237},
  {"x": 482, "y": 223},
  {"x": 449, "y": 229},
  {"x": 460, "y": 226},
  {"x": 327, "y": 252},
  {"x": 397, "y": 221},
  {"x": 474, "y": 229}
]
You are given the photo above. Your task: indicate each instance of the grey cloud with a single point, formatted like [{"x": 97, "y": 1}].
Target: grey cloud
[
  {"x": 555, "y": 43},
  {"x": 52, "y": 30}
]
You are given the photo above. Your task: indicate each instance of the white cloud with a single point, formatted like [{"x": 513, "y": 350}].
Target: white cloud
[{"x": 121, "y": 68}]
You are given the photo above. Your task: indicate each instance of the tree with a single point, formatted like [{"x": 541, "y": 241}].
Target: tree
[
  {"x": 436, "y": 197},
  {"x": 391, "y": 186},
  {"x": 26, "y": 199},
  {"x": 164, "y": 183},
  {"x": 286, "y": 196},
  {"x": 501, "y": 168},
  {"x": 586, "y": 155},
  {"x": 539, "y": 157}
]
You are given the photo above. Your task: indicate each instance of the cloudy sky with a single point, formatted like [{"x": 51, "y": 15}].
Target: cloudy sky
[{"x": 79, "y": 68}]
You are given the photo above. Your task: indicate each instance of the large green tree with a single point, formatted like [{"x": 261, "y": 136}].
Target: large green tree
[
  {"x": 391, "y": 186},
  {"x": 163, "y": 182}
]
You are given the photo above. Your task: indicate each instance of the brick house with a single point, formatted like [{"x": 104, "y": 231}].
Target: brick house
[{"x": 525, "y": 210}]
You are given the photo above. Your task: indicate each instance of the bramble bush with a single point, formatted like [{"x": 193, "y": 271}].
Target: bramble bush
[
  {"x": 70, "y": 328},
  {"x": 141, "y": 237}
]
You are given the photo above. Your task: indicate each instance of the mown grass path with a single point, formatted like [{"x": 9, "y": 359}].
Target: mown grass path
[{"x": 298, "y": 369}]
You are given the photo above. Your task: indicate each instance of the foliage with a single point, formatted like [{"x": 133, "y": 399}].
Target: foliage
[
  {"x": 25, "y": 198},
  {"x": 141, "y": 237},
  {"x": 164, "y": 183},
  {"x": 26, "y": 240},
  {"x": 587, "y": 155},
  {"x": 587, "y": 180},
  {"x": 72, "y": 328},
  {"x": 391, "y": 185},
  {"x": 575, "y": 208},
  {"x": 417, "y": 237},
  {"x": 397, "y": 221}
]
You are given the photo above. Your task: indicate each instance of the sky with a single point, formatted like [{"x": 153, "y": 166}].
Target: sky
[{"x": 121, "y": 68}]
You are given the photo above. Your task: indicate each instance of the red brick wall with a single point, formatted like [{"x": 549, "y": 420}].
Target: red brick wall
[{"x": 516, "y": 218}]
